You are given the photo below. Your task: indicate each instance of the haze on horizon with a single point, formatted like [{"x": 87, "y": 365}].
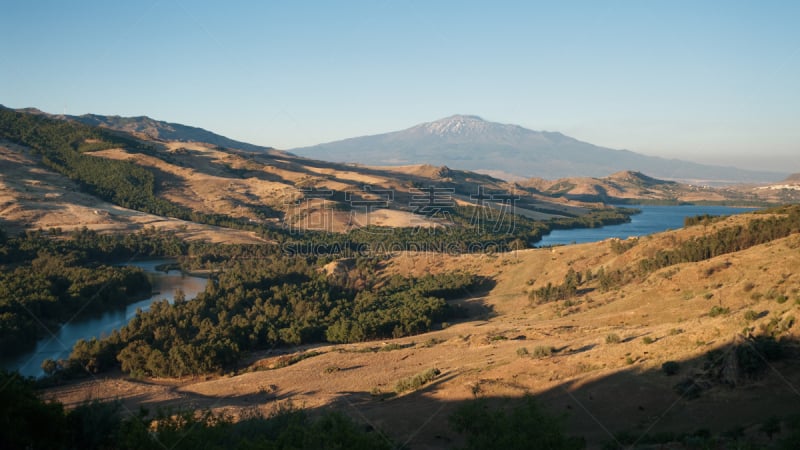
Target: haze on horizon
[{"x": 711, "y": 81}]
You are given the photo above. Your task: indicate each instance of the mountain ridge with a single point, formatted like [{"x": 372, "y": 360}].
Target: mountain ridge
[
  {"x": 472, "y": 143},
  {"x": 150, "y": 128}
]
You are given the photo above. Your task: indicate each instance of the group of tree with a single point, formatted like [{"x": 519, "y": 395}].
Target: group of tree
[
  {"x": 45, "y": 281},
  {"x": 778, "y": 223},
  {"x": 473, "y": 231},
  {"x": 262, "y": 303}
]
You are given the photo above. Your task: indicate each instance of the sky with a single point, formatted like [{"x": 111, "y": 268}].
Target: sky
[{"x": 708, "y": 81}]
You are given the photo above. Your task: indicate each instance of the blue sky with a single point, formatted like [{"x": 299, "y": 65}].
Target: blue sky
[{"x": 708, "y": 81}]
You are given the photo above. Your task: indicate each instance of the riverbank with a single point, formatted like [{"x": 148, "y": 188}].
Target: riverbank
[
  {"x": 651, "y": 219},
  {"x": 59, "y": 341}
]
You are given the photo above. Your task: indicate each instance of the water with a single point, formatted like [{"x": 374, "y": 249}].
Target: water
[
  {"x": 60, "y": 344},
  {"x": 652, "y": 219}
]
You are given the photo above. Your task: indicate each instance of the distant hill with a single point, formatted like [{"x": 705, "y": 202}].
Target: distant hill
[
  {"x": 513, "y": 152},
  {"x": 145, "y": 127},
  {"x": 634, "y": 187},
  {"x": 793, "y": 178},
  {"x": 167, "y": 131}
]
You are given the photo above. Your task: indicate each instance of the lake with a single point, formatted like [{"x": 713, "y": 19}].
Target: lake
[
  {"x": 652, "y": 219},
  {"x": 60, "y": 344}
]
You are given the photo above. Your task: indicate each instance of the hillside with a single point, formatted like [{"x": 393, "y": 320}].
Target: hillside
[
  {"x": 205, "y": 183},
  {"x": 513, "y": 152},
  {"x": 396, "y": 338},
  {"x": 635, "y": 187},
  {"x": 793, "y": 178},
  {"x": 34, "y": 197},
  {"x": 152, "y": 129},
  {"x": 597, "y": 354}
]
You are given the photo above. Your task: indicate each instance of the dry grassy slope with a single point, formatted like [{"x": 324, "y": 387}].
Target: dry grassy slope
[
  {"x": 265, "y": 186},
  {"x": 33, "y": 197},
  {"x": 210, "y": 179},
  {"x": 602, "y": 386},
  {"x": 633, "y": 186}
]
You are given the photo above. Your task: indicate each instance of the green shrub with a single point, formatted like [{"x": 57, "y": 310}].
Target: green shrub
[
  {"x": 391, "y": 347},
  {"x": 718, "y": 311},
  {"x": 750, "y": 315},
  {"x": 522, "y": 351},
  {"x": 648, "y": 340},
  {"x": 432, "y": 342},
  {"x": 288, "y": 360},
  {"x": 613, "y": 338},
  {"x": 417, "y": 381}
]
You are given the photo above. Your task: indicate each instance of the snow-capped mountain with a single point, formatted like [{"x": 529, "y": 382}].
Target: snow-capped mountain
[{"x": 511, "y": 151}]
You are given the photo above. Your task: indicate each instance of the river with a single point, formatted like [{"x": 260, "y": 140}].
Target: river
[
  {"x": 652, "y": 219},
  {"x": 59, "y": 345}
]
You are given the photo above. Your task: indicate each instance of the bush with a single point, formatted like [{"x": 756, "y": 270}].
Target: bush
[
  {"x": 522, "y": 351},
  {"x": 613, "y": 338},
  {"x": 542, "y": 351},
  {"x": 417, "y": 381},
  {"x": 750, "y": 315},
  {"x": 671, "y": 368},
  {"x": 718, "y": 311},
  {"x": 391, "y": 347},
  {"x": 648, "y": 340},
  {"x": 432, "y": 342}
]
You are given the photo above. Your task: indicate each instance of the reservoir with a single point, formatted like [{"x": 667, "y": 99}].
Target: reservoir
[
  {"x": 59, "y": 345},
  {"x": 652, "y": 219}
]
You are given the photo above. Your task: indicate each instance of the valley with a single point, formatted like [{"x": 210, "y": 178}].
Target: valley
[
  {"x": 399, "y": 296},
  {"x": 596, "y": 356}
]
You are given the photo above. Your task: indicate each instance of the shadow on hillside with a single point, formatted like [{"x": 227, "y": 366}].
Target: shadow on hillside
[
  {"x": 10, "y": 228},
  {"x": 741, "y": 384}
]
